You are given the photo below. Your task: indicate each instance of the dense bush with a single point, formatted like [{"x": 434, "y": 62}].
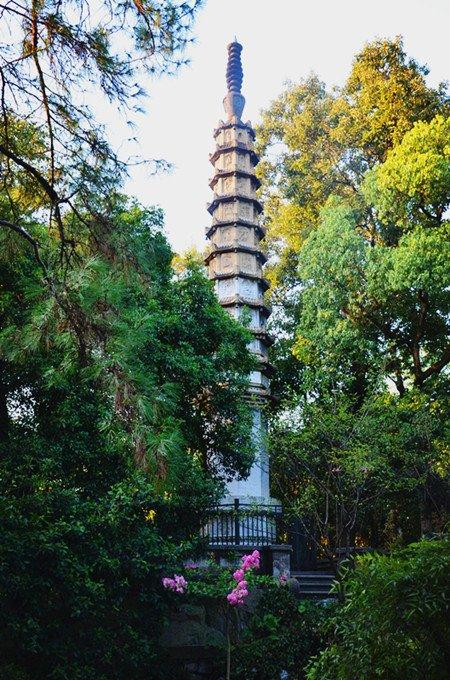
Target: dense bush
[
  {"x": 80, "y": 560},
  {"x": 393, "y": 623},
  {"x": 282, "y": 634}
]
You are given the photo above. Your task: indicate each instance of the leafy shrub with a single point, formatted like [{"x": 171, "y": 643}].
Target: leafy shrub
[
  {"x": 282, "y": 634},
  {"x": 393, "y": 623}
]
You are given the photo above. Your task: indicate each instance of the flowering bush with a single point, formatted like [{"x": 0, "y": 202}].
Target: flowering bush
[
  {"x": 178, "y": 584},
  {"x": 251, "y": 561},
  {"x": 240, "y": 592},
  {"x": 211, "y": 580}
]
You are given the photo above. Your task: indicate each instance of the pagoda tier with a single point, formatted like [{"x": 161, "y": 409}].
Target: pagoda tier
[{"x": 235, "y": 258}]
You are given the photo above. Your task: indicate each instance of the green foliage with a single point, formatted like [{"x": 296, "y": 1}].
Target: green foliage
[
  {"x": 394, "y": 622},
  {"x": 58, "y": 166},
  {"x": 411, "y": 186},
  {"x": 381, "y": 304},
  {"x": 357, "y": 188},
  {"x": 80, "y": 562},
  {"x": 367, "y": 477},
  {"x": 282, "y": 634},
  {"x": 384, "y": 94},
  {"x": 122, "y": 404},
  {"x": 346, "y": 174},
  {"x": 162, "y": 349},
  {"x": 122, "y": 385},
  {"x": 316, "y": 143}
]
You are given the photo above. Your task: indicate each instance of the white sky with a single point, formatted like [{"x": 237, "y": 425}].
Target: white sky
[{"x": 283, "y": 40}]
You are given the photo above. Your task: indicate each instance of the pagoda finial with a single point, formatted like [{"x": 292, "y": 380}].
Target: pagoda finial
[{"x": 234, "y": 101}]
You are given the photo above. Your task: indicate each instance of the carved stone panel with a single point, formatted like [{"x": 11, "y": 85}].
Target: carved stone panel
[
  {"x": 245, "y": 211},
  {"x": 226, "y": 263},
  {"x": 212, "y": 267},
  {"x": 217, "y": 214},
  {"x": 228, "y": 161},
  {"x": 233, "y": 135},
  {"x": 226, "y": 288},
  {"x": 224, "y": 236},
  {"x": 253, "y": 346},
  {"x": 245, "y": 236},
  {"x": 227, "y": 185},
  {"x": 258, "y": 320},
  {"x": 254, "y": 320},
  {"x": 243, "y": 186},
  {"x": 248, "y": 263},
  {"x": 258, "y": 379},
  {"x": 243, "y": 162},
  {"x": 248, "y": 289},
  {"x": 236, "y": 185},
  {"x": 230, "y": 235},
  {"x": 227, "y": 211},
  {"x": 258, "y": 347}
]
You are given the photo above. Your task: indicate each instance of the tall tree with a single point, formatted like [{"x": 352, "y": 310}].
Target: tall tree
[
  {"x": 58, "y": 166},
  {"x": 358, "y": 186},
  {"x": 316, "y": 143}
]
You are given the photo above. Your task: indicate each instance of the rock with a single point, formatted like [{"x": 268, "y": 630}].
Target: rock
[
  {"x": 189, "y": 612},
  {"x": 189, "y": 637}
]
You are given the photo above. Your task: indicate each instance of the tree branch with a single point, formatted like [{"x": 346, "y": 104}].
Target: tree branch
[
  {"x": 45, "y": 184},
  {"x": 437, "y": 366},
  {"x": 27, "y": 236}
]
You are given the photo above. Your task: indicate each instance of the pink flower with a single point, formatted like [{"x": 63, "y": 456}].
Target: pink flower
[
  {"x": 191, "y": 565},
  {"x": 178, "y": 584},
  {"x": 251, "y": 561},
  {"x": 238, "y": 575},
  {"x": 232, "y": 598},
  {"x": 237, "y": 596},
  {"x": 256, "y": 557}
]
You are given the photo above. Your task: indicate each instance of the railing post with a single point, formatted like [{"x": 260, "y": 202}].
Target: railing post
[
  {"x": 279, "y": 525},
  {"x": 237, "y": 532}
]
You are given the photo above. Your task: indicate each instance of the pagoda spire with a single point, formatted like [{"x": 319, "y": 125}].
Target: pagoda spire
[{"x": 234, "y": 101}]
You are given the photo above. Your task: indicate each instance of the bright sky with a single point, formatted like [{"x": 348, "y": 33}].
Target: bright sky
[{"x": 283, "y": 40}]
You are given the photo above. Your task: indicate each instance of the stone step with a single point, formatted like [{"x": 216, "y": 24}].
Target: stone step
[
  {"x": 314, "y": 584},
  {"x": 313, "y": 574}
]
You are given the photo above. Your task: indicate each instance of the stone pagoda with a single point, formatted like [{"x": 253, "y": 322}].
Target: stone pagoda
[{"x": 235, "y": 260}]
